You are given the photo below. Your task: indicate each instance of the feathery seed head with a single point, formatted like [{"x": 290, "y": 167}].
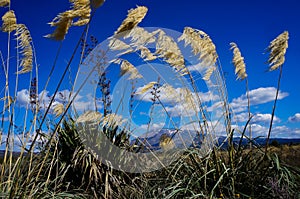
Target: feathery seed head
[
  {"x": 97, "y": 3},
  {"x": 168, "y": 49},
  {"x": 9, "y": 21},
  {"x": 58, "y": 109},
  {"x": 277, "y": 50},
  {"x": 134, "y": 17},
  {"x": 146, "y": 54},
  {"x": 201, "y": 45},
  {"x": 166, "y": 143},
  {"x": 170, "y": 92},
  {"x": 140, "y": 37},
  {"x": 238, "y": 62},
  {"x": 80, "y": 10},
  {"x": 112, "y": 120},
  {"x": 24, "y": 43},
  {"x": 62, "y": 24},
  {"x": 127, "y": 67},
  {"x": 78, "y": 4},
  {"x": 8, "y": 101},
  {"x": 89, "y": 116},
  {"x": 145, "y": 88},
  {"x": 117, "y": 44},
  {"x": 4, "y": 3},
  {"x": 188, "y": 99},
  {"x": 208, "y": 73}
]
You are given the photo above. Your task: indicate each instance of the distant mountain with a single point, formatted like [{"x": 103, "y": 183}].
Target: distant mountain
[
  {"x": 194, "y": 139},
  {"x": 182, "y": 139},
  {"x": 191, "y": 139},
  {"x": 259, "y": 141}
]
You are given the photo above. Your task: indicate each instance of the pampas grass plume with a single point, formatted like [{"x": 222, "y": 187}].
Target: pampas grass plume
[
  {"x": 4, "y": 3},
  {"x": 238, "y": 62},
  {"x": 277, "y": 49},
  {"x": 9, "y": 21},
  {"x": 134, "y": 17}
]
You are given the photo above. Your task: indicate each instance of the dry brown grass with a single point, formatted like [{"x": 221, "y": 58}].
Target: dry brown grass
[{"x": 288, "y": 154}]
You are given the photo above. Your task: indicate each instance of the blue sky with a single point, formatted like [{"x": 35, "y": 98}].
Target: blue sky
[{"x": 251, "y": 24}]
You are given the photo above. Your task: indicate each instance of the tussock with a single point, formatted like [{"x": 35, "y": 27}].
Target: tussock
[
  {"x": 4, "y": 3},
  {"x": 58, "y": 109},
  {"x": 24, "y": 39},
  {"x": 201, "y": 45},
  {"x": 9, "y": 21},
  {"x": 238, "y": 62},
  {"x": 167, "y": 49},
  {"x": 277, "y": 49},
  {"x": 134, "y": 17}
]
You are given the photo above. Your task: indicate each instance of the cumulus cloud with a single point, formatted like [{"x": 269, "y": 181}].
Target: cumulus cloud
[
  {"x": 172, "y": 97},
  {"x": 179, "y": 101},
  {"x": 81, "y": 103},
  {"x": 257, "y": 96},
  {"x": 153, "y": 127},
  {"x": 257, "y": 118},
  {"x": 279, "y": 131},
  {"x": 295, "y": 118}
]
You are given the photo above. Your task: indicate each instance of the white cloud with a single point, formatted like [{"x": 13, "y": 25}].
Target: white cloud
[
  {"x": 257, "y": 118},
  {"x": 295, "y": 118},
  {"x": 153, "y": 127},
  {"x": 179, "y": 101},
  {"x": 184, "y": 110},
  {"x": 280, "y": 131},
  {"x": 264, "y": 118},
  {"x": 175, "y": 96},
  {"x": 257, "y": 96},
  {"x": 23, "y": 97},
  {"x": 80, "y": 103},
  {"x": 199, "y": 67}
]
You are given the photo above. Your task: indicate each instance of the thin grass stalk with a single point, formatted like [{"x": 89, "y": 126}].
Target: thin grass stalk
[
  {"x": 51, "y": 166},
  {"x": 48, "y": 108},
  {"x": 173, "y": 123},
  {"x": 219, "y": 181},
  {"x": 194, "y": 88},
  {"x": 37, "y": 90},
  {"x": 80, "y": 61},
  {"x": 58, "y": 86},
  {"x": 273, "y": 110},
  {"x": 52, "y": 69},
  {"x": 63, "y": 115},
  {"x": 11, "y": 123},
  {"x": 249, "y": 111},
  {"x": 7, "y": 95}
]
